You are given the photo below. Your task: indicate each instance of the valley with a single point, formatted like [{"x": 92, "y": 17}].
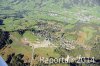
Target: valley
[{"x": 30, "y": 29}]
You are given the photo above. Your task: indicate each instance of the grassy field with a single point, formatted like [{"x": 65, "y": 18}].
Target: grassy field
[
  {"x": 60, "y": 20},
  {"x": 46, "y": 52}
]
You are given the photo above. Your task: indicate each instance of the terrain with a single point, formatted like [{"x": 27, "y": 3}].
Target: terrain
[{"x": 30, "y": 29}]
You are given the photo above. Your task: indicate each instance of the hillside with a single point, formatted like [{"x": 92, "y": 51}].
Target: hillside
[{"x": 49, "y": 28}]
